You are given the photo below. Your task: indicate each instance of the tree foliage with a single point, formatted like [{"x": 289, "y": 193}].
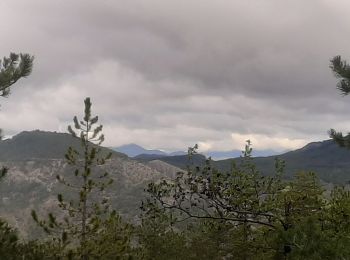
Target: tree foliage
[
  {"x": 8, "y": 240},
  {"x": 13, "y": 68},
  {"x": 243, "y": 214},
  {"x": 85, "y": 212},
  {"x": 341, "y": 70}
]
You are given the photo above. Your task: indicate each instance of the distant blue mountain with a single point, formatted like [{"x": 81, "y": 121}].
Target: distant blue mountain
[
  {"x": 220, "y": 155},
  {"x": 329, "y": 161},
  {"x": 133, "y": 150}
]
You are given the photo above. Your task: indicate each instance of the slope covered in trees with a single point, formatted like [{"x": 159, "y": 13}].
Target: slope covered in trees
[
  {"x": 206, "y": 214},
  {"x": 326, "y": 158}
]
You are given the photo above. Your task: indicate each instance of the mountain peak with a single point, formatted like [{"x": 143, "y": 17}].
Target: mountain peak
[
  {"x": 133, "y": 150},
  {"x": 38, "y": 144},
  {"x": 317, "y": 145},
  {"x": 131, "y": 145}
]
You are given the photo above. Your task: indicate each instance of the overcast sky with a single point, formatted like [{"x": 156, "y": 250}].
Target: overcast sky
[{"x": 168, "y": 74}]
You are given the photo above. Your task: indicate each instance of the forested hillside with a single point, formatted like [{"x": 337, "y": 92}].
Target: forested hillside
[{"x": 326, "y": 158}]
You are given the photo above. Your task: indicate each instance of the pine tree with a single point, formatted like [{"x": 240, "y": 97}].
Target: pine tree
[
  {"x": 242, "y": 213},
  {"x": 8, "y": 241},
  {"x": 13, "y": 68},
  {"x": 341, "y": 70},
  {"x": 84, "y": 213}
]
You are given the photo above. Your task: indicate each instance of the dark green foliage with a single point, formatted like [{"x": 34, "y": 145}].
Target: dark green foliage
[
  {"x": 217, "y": 240},
  {"x": 38, "y": 250},
  {"x": 158, "y": 239},
  {"x": 245, "y": 215},
  {"x": 8, "y": 240},
  {"x": 205, "y": 193},
  {"x": 113, "y": 240},
  {"x": 13, "y": 68},
  {"x": 340, "y": 139},
  {"x": 341, "y": 70},
  {"x": 3, "y": 172},
  {"x": 85, "y": 213}
]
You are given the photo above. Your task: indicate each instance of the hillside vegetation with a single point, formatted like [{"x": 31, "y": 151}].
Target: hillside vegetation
[{"x": 326, "y": 158}]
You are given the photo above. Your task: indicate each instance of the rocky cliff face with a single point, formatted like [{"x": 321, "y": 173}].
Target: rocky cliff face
[{"x": 32, "y": 184}]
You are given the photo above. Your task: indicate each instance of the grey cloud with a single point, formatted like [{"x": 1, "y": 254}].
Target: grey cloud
[{"x": 171, "y": 73}]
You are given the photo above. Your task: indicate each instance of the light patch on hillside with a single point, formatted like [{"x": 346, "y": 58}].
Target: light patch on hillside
[{"x": 263, "y": 141}]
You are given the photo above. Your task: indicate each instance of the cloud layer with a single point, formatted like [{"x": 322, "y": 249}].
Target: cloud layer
[{"x": 168, "y": 74}]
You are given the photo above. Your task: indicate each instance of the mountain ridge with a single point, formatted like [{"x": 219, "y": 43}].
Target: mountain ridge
[
  {"x": 137, "y": 151},
  {"x": 326, "y": 158},
  {"x": 133, "y": 150},
  {"x": 31, "y": 180},
  {"x": 34, "y": 158},
  {"x": 39, "y": 144}
]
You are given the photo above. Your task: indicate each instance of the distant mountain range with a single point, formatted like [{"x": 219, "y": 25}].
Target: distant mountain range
[
  {"x": 34, "y": 158},
  {"x": 331, "y": 162},
  {"x": 134, "y": 150},
  {"x": 220, "y": 155},
  {"x": 327, "y": 159}
]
